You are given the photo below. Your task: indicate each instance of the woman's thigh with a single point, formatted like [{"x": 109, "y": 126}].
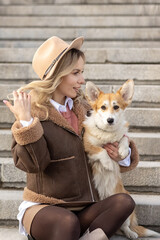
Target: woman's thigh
[
  {"x": 30, "y": 214},
  {"x": 57, "y": 223}
]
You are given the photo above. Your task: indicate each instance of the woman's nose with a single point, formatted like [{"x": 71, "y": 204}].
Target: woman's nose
[{"x": 81, "y": 80}]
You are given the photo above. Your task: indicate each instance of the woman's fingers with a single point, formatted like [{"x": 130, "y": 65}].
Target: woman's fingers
[
  {"x": 11, "y": 107},
  {"x": 115, "y": 144},
  {"x": 15, "y": 95},
  {"x": 22, "y": 105},
  {"x": 112, "y": 150},
  {"x": 8, "y": 104},
  {"x": 20, "y": 96},
  {"x": 112, "y": 145},
  {"x": 29, "y": 97},
  {"x": 25, "y": 95}
]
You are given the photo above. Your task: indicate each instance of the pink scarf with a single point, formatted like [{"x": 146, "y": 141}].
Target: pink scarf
[{"x": 71, "y": 117}]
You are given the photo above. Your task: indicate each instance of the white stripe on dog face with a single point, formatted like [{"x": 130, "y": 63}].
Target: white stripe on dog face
[{"x": 107, "y": 112}]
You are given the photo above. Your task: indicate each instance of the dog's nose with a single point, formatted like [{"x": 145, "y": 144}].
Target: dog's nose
[{"x": 110, "y": 120}]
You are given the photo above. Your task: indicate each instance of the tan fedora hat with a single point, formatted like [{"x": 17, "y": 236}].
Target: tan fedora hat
[{"x": 49, "y": 54}]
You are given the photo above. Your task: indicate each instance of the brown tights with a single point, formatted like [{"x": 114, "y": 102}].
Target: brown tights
[{"x": 56, "y": 223}]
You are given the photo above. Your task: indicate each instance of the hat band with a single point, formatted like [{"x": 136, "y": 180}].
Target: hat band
[{"x": 53, "y": 63}]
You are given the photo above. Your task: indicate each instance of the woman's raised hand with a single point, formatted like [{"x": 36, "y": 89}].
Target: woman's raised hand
[{"x": 21, "y": 107}]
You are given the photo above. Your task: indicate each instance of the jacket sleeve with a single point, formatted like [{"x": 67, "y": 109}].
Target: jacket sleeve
[
  {"x": 29, "y": 147},
  {"x": 134, "y": 157}
]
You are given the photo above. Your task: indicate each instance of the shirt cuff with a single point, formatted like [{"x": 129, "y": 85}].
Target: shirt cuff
[
  {"x": 127, "y": 161},
  {"x": 26, "y": 123}
]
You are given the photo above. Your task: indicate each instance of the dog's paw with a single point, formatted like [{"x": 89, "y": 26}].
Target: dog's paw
[
  {"x": 104, "y": 159},
  {"x": 123, "y": 152},
  {"x": 130, "y": 234},
  {"x": 127, "y": 231}
]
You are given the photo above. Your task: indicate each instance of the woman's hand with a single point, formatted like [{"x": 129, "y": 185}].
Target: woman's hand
[
  {"x": 112, "y": 150},
  {"x": 21, "y": 107}
]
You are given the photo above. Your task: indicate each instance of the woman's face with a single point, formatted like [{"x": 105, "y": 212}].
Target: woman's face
[{"x": 70, "y": 83}]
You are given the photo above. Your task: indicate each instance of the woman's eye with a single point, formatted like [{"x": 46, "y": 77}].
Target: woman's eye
[
  {"x": 75, "y": 73},
  {"x": 103, "y": 107},
  {"x": 115, "y": 107}
]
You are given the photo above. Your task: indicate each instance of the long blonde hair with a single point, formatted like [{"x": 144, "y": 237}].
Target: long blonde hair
[{"x": 42, "y": 90}]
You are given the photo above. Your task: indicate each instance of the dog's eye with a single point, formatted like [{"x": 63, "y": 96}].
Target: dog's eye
[
  {"x": 115, "y": 107},
  {"x": 103, "y": 107}
]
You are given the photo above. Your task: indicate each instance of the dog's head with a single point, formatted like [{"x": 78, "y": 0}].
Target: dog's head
[{"x": 108, "y": 108}]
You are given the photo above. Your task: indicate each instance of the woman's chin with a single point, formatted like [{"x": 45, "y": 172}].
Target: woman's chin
[{"x": 73, "y": 95}]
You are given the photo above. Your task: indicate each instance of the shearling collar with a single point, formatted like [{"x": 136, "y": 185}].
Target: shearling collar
[{"x": 58, "y": 119}]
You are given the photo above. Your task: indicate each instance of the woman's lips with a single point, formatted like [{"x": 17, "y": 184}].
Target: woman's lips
[{"x": 76, "y": 89}]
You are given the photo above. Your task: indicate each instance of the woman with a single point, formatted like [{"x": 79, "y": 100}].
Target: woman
[{"x": 60, "y": 201}]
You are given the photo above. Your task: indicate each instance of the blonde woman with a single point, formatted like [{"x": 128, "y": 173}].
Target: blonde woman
[{"x": 60, "y": 201}]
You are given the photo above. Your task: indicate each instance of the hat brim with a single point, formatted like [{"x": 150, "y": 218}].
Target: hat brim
[{"x": 76, "y": 43}]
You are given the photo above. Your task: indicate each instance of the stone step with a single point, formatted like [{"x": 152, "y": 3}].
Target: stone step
[
  {"x": 138, "y": 72},
  {"x": 83, "y": 21},
  {"x": 147, "y": 209},
  {"x": 90, "y": 10},
  {"x": 12, "y": 233},
  {"x": 10, "y": 176},
  {"x": 144, "y": 96},
  {"x": 59, "y": 2},
  {"x": 102, "y": 55},
  {"x": 147, "y": 143},
  {"x": 122, "y": 55},
  {"x": 106, "y": 73},
  {"x": 105, "y": 1},
  {"x": 143, "y": 117},
  {"x": 9, "y": 202},
  {"x": 124, "y": 34},
  {"x": 137, "y": 117},
  {"x": 150, "y": 43},
  {"x": 145, "y": 177},
  {"x": 127, "y": 9}
]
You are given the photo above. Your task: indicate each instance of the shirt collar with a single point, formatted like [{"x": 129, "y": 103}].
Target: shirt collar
[{"x": 62, "y": 108}]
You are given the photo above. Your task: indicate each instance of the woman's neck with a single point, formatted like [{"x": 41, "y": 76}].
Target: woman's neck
[{"x": 59, "y": 99}]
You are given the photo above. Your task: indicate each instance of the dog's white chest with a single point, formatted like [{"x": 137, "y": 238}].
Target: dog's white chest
[{"x": 105, "y": 180}]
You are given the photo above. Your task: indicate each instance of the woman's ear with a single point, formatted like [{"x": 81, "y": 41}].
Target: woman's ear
[
  {"x": 92, "y": 92},
  {"x": 126, "y": 91}
]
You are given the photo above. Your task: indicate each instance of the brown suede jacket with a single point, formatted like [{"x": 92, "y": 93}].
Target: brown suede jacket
[{"x": 53, "y": 156}]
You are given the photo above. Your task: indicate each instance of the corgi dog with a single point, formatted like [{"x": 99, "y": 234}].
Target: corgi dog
[{"x": 107, "y": 124}]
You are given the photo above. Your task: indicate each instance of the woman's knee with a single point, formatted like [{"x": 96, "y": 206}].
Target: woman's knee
[
  {"x": 71, "y": 223},
  {"x": 125, "y": 201}
]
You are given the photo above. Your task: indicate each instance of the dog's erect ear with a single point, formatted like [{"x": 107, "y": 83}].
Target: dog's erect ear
[
  {"x": 92, "y": 91},
  {"x": 127, "y": 90}
]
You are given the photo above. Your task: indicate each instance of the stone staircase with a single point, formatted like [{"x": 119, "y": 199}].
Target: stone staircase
[{"x": 122, "y": 41}]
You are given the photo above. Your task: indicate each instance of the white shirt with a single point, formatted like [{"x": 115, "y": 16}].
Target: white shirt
[
  {"x": 62, "y": 108},
  {"x": 58, "y": 107},
  {"x": 26, "y": 204}
]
